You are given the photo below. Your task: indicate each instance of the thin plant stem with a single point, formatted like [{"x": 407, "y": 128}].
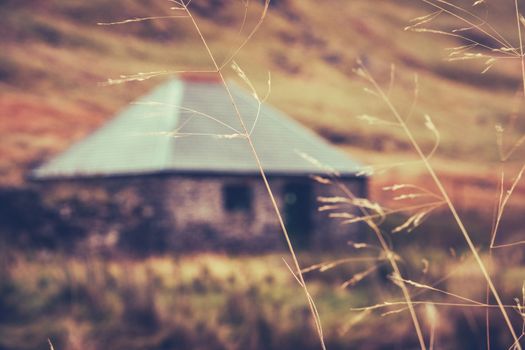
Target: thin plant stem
[
  {"x": 498, "y": 38},
  {"x": 503, "y": 200},
  {"x": 447, "y": 199},
  {"x": 390, "y": 255},
  {"x": 522, "y": 58},
  {"x": 298, "y": 274},
  {"x": 424, "y": 302}
]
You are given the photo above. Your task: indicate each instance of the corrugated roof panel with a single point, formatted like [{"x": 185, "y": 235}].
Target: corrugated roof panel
[
  {"x": 127, "y": 144},
  {"x": 277, "y": 138},
  {"x": 188, "y": 126},
  {"x": 214, "y": 151}
]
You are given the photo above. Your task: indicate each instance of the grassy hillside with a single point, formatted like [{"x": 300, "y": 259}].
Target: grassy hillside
[
  {"x": 53, "y": 59},
  {"x": 54, "y": 56}
]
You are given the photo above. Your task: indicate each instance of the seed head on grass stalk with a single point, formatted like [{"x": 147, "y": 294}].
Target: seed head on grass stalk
[
  {"x": 378, "y": 90},
  {"x": 491, "y": 56},
  {"x": 364, "y": 206}
]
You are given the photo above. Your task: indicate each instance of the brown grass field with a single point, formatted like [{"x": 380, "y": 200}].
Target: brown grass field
[{"x": 349, "y": 71}]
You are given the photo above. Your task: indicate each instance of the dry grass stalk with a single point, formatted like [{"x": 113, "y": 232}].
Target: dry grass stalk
[
  {"x": 465, "y": 53},
  {"x": 246, "y": 132},
  {"x": 364, "y": 73},
  {"x": 364, "y": 206},
  {"x": 183, "y": 6}
]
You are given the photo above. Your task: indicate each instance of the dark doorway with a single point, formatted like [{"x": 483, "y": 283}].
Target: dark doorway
[{"x": 297, "y": 212}]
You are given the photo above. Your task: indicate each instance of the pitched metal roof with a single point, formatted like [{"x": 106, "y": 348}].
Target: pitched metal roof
[{"x": 190, "y": 126}]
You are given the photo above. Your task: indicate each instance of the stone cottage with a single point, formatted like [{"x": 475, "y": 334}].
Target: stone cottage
[{"x": 172, "y": 172}]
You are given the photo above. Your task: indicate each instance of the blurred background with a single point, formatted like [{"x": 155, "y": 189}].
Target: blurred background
[{"x": 57, "y": 282}]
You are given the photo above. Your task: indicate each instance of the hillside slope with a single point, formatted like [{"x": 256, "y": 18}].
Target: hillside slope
[{"x": 54, "y": 55}]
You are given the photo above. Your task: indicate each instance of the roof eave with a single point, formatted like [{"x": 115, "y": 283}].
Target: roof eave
[{"x": 197, "y": 173}]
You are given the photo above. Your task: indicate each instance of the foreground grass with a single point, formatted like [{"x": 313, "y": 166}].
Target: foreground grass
[{"x": 206, "y": 301}]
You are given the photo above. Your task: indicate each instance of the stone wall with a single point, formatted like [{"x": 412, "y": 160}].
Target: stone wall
[
  {"x": 184, "y": 213},
  {"x": 198, "y": 208}
]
